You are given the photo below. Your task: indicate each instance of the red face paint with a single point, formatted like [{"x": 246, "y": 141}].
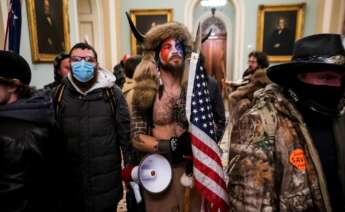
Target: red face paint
[
  {"x": 170, "y": 49},
  {"x": 165, "y": 52}
]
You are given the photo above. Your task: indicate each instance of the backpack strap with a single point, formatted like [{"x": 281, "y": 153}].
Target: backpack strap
[
  {"x": 109, "y": 93},
  {"x": 58, "y": 99},
  {"x": 58, "y": 95}
]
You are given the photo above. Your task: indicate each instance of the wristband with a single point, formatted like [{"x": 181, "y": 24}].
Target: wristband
[{"x": 164, "y": 147}]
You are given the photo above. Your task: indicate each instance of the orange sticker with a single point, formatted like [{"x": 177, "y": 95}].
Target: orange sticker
[{"x": 297, "y": 159}]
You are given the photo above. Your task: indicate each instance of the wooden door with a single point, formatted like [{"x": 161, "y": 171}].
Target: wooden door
[{"x": 214, "y": 49}]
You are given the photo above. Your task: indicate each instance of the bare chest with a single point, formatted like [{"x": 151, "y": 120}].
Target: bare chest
[{"x": 164, "y": 109}]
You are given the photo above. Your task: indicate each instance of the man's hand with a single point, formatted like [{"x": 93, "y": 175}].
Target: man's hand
[
  {"x": 126, "y": 173},
  {"x": 180, "y": 147},
  {"x": 146, "y": 143}
]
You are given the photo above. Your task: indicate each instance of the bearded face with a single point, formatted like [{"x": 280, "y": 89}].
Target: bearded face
[{"x": 171, "y": 56}]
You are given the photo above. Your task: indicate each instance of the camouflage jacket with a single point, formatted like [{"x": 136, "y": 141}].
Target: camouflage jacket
[
  {"x": 274, "y": 165},
  {"x": 240, "y": 100}
]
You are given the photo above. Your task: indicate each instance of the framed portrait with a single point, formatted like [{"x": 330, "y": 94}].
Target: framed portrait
[
  {"x": 49, "y": 28},
  {"x": 278, "y": 27},
  {"x": 144, "y": 20}
]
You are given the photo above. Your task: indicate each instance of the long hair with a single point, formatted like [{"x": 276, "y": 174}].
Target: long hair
[
  {"x": 261, "y": 58},
  {"x": 23, "y": 91}
]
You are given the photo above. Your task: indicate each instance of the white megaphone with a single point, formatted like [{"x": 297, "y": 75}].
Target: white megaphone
[{"x": 154, "y": 174}]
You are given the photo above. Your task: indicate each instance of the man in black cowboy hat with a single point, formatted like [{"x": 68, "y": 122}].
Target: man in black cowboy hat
[
  {"x": 26, "y": 136},
  {"x": 287, "y": 152}
]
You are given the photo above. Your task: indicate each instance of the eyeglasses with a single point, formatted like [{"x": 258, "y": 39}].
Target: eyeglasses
[
  {"x": 252, "y": 61},
  {"x": 87, "y": 59}
]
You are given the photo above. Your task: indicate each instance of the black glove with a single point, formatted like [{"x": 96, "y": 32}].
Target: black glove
[{"x": 180, "y": 146}]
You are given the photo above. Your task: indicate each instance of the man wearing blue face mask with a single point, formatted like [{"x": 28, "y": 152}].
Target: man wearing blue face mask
[{"x": 93, "y": 115}]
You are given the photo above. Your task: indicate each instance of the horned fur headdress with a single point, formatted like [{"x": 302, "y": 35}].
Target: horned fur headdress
[{"x": 145, "y": 75}]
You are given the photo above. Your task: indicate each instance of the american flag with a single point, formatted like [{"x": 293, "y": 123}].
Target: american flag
[
  {"x": 208, "y": 170},
  {"x": 13, "y": 29}
]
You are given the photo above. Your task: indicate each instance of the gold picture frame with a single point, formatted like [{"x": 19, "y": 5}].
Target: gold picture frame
[
  {"x": 48, "y": 28},
  {"x": 278, "y": 27},
  {"x": 144, "y": 19}
]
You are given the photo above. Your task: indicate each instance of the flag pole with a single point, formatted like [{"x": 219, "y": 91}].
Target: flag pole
[{"x": 192, "y": 67}]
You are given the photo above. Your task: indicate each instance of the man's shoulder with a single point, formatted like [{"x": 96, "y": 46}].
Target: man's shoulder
[
  {"x": 271, "y": 101},
  {"x": 116, "y": 89},
  {"x": 268, "y": 98},
  {"x": 17, "y": 128},
  {"x": 268, "y": 92},
  {"x": 259, "y": 123}
]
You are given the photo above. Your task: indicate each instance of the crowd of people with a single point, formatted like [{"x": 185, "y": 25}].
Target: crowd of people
[{"x": 73, "y": 145}]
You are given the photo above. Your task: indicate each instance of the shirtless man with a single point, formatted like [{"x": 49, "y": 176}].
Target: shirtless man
[{"x": 166, "y": 48}]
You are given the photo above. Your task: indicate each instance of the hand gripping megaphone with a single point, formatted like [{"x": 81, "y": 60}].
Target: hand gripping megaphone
[{"x": 154, "y": 174}]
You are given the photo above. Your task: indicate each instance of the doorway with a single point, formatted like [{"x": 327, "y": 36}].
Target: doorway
[{"x": 214, "y": 49}]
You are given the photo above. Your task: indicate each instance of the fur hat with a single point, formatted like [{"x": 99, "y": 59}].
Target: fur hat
[
  {"x": 156, "y": 35},
  {"x": 146, "y": 74},
  {"x": 14, "y": 66}
]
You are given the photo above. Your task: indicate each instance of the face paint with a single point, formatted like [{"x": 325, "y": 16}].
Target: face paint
[{"x": 171, "y": 50}]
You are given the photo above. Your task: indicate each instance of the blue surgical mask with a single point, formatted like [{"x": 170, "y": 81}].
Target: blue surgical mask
[{"x": 83, "y": 71}]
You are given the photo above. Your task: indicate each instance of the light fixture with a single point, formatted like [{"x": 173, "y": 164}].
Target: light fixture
[{"x": 213, "y": 3}]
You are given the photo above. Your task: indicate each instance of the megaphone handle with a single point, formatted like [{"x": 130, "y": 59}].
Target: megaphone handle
[{"x": 136, "y": 191}]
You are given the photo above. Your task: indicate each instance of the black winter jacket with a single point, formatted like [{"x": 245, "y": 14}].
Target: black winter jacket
[
  {"x": 26, "y": 171},
  {"x": 217, "y": 107},
  {"x": 92, "y": 162}
]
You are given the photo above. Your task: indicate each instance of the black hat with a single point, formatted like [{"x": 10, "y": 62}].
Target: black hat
[
  {"x": 312, "y": 53},
  {"x": 14, "y": 66}
]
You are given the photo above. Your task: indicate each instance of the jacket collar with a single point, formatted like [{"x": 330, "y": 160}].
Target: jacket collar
[{"x": 105, "y": 79}]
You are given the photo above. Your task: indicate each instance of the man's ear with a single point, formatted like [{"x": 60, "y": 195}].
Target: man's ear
[
  {"x": 12, "y": 88},
  {"x": 97, "y": 66}
]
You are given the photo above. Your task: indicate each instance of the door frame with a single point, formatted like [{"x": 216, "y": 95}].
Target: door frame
[{"x": 239, "y": 32}]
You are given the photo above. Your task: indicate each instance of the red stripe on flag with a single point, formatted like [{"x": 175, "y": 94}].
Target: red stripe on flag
[
  {"x": 218, "y": 202},
  {"x": 210, "y": 173},
  {"x": 205, "y": 149}
]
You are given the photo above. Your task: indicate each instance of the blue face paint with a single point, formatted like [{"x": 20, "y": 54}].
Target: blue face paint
[
  {"x": 179, "y": 48},
  {"x": 83, "y": 71},
  {"x": 170, "y": 48}
]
